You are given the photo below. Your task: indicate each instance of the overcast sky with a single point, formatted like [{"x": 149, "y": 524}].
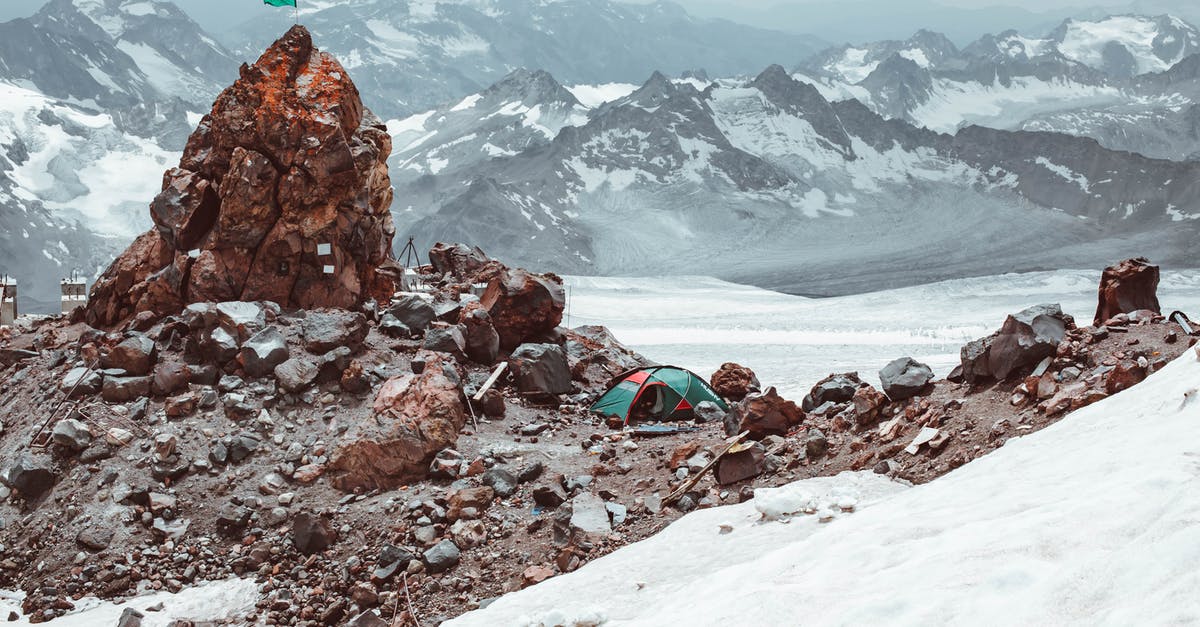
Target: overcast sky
[{"x": 834, "y": 20}]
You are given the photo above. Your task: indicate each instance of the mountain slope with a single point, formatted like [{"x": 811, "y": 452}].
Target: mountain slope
[
  {"x": 755, "y": 180},
  {"x": 1084, "y": 522},
  {"x": 410, "y": 57}
]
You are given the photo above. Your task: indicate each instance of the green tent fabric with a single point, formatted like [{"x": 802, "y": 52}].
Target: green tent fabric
[
  {"x": 280, "y": 3},
  {"x": 667, "y": 392}
]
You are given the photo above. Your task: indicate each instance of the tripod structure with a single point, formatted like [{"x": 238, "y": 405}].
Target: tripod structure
[{"x": 409, "y": 254}]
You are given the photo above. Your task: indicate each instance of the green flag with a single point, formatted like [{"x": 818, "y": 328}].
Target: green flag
[{"x": 280, "y": 3}]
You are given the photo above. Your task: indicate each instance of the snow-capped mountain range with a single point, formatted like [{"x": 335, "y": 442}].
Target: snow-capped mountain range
[
  {"x": 755, "y": 180},
  {"x": 1086, "y": 77},
  {"x": 844, "y": 166},
  {"x": 408, "y": 57}
]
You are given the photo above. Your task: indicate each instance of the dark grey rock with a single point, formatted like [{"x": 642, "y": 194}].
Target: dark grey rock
[
  {"x": 135, "y": 355},
  {"x": 328, "y": 329},
  {"x": 71, "y": 434},
  {"x": 904, "y": 378},
  {"x": 296, "y": 374},
  {"x": 310, "y": 534},
  {"x": 29, "y": 476},
  {"x": 263, "y": 351},
  {"x": 125, "y": 389},
  {"x": 836, "y": 388},
  {"x": 414, "y": 311},
  {"x": 441, "y": 557},
  {"x": 540, "y": 369},
  {"x": 501, "y": 481}
]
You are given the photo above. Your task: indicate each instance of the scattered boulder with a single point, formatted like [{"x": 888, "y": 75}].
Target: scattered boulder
[
  {"x": 263, "y": 351},
  {"x": 170, "y": 376},
  {"x": 540, "y": 369},
  {"x": 589, "y": 519},
  {"x": 95, "y": 538},
  {"x": 762, "y": 414},
  {"x": 523, "y": 305},
  {"x": 1127, "y": 287},
  {"x": 81, "y": 382},
  {"x": 741, "y": 463},
  {"x": 836, "y": 388},
  {"x": 708, "y": 411},
  {"x": 905, "y": 378},
  {"x": 483, "y": 342},
  {"x": 71, "y": 434},
  {"x": 328, "y": 329},
  {"x": 125, "y": 389},
  {"x": 217, "y": 345},
  {"x": 458, "y": 260},
  {"x": 414, "y": 311},
  {"x": 500, "y": 480},
  {"x": 467, "y": 500},
  {"x": 241, "y": 319},
  {"x": 135, "y": 355},
  {"x": 296, "y": 374},
  {"x": 733, "y": 381},
  {"x": 442, "y": 556},
  {"x": 446, "y": 340},
  {"x": 416, "y": 417},
  {"x": 1023, "y": 340},
  {"x": 310, "y": 533},
  {"x": 29, "y": 476}
]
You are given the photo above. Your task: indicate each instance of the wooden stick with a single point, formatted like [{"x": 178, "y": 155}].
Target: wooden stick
[
  {"x": 691, "y": 483},
  {"x": 487, "y": 385},
  {"x": 411, "y": 611}
]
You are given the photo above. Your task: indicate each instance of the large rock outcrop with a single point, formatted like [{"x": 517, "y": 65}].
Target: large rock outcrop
[
  {"x": 282, "y": 195},
  {"x": 523, "y": 305},
  {"x": 1127, "y": 287},
  {"x": 416, "y": 415}
]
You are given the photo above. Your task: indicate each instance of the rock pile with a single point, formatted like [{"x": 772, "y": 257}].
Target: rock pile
[{"x": 282, "y": 195}]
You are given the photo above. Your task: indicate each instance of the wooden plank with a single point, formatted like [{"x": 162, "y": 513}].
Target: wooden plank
[
  {"x": 1182, "y": 322},
  {"x": 487, "y": 385},
  {"x": 691, "y": 483}
]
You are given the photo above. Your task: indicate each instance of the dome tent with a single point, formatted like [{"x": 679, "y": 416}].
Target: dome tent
[{"x": 663, "y": 392}]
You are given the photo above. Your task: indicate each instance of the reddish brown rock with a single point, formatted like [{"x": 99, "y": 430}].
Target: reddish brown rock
[
  {"x": 762, "y": 414},
  {"x": 460, "y": 261},
  {"x": 868, "y": 403},
  {"x": 734, "y": 381},
  {"x": 1127, "y": 287},
  {"x": 523, "y": 305},
  {"x": 287, "y": 160},
  {"x": 1122, "y": 377},
  {"x": 416, "y": 416},
  {"x": 482, "y": 340}
]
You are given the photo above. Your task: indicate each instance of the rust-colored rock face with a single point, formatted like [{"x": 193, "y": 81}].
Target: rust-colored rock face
[
  {"x": 282, "y": 194},
  {"x": 734, "y": 381},
  {"x": 1127, "y": 287},
  {"x": 416, "y": 416}
]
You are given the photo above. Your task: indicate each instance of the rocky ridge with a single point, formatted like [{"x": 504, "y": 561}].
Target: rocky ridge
[{"x": 342, "y": 460}]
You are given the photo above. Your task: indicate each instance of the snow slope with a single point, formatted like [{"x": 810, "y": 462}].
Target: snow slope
[
  {"x": 1092, "y": 521},
  {"x": 211, "y": 601},
  {"x": 792, "y": 342}
]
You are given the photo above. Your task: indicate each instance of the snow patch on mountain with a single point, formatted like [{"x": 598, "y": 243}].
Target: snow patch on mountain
[
  {"x": 592, "y": 96},
  {"x": 79, "y": 164},
  {"x": 953, "y": 103},
  {"x": 1086, "y": 41}
]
